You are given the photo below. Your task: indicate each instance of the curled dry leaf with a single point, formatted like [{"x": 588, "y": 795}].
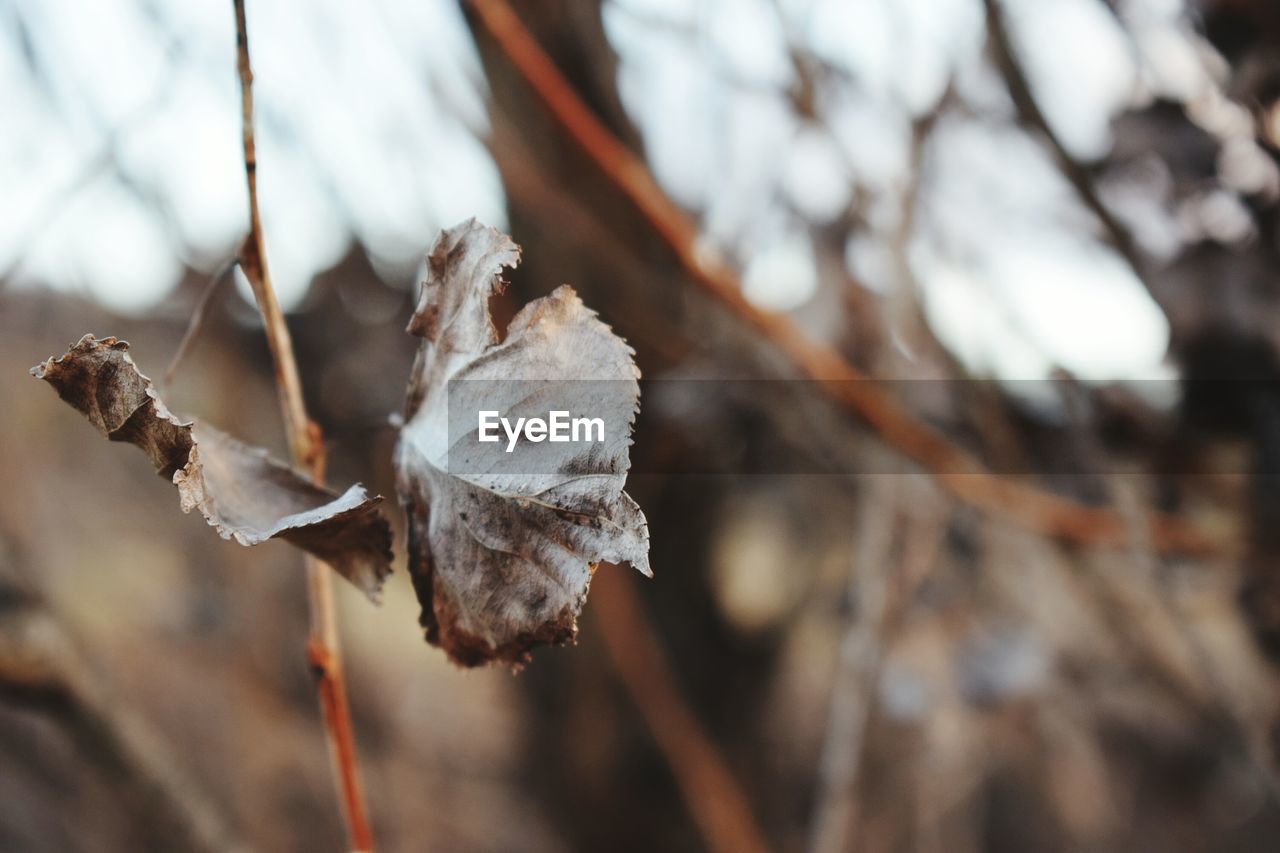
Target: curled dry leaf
[
  {"x": 501, "y": 561},
  {"x": 242, "y": 493}
]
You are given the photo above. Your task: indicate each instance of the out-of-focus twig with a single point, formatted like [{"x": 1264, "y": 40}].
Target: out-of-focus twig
[
  {"x": 196, "y": 324},
  {"x": 883, "y": 581},
  {"x": 716, "y": 802},
  {"x": 907, "y": 295},
  {"x": 857, "y": 667},
  {"x": 956, "y": 469},
  {"x": 41, "y": 669},
  {"x": 1167, "y": 607},
  {"x": 1030, "y": 114},
  {"x": 307, "y": 449}
]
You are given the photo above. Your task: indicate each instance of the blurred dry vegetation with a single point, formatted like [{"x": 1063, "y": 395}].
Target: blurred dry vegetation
[{"x": 881, "y": 664}]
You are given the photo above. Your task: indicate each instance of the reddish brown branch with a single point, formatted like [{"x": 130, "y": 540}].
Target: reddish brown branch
[
  {"x": 955, "y": 469},
  {"x": 307, "y": 449},
  {"x": 716, "y": 803}
]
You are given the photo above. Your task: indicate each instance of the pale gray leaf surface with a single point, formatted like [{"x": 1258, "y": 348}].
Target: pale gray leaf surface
[
  {"x": 501, "y": 562},
  {"x": 242, "y": 493}
]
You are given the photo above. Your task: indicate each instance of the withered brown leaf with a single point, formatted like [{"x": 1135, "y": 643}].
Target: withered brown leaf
[
  {"x": 501, "y": 562},
  {"x": 242, "y": 493}
]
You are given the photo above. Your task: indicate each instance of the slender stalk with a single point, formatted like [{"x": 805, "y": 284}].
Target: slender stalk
[
  {"x": 1030, "y": 114},
  {"x": 955, "y": 469},
  {"x": 719, "y": 807},
  {"x": 307, "y": 449},
  {"x": 196, "y": 324},
  {"x": 858, "y": 667},
  {"x": 888, "y": 567}
]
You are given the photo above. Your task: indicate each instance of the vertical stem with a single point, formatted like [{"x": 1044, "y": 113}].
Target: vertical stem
[
  {"x": 835, "y": 820},
  {"x": 307, "y": 450}
]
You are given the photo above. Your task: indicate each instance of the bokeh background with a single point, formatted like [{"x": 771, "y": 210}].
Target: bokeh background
[{"x": 1019, "y": 206}]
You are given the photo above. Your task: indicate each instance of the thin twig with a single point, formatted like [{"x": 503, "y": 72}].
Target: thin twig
[
  {"x": 716, "y": 802},
  {"x": 196, "y": 324},
  {"x": 835, "y": 814},
  {"x": 307, "y": 449},
  {"x": 1030, "y": 114},
  {"x": 884, "y": 580},
  {"x": 907, "y": 292},
  {"x": 956, "y": 469},
  {"x": 1212, "y": 687}
]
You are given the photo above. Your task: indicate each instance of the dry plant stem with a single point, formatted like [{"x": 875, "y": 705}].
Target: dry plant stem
[
  {"x": 716, "y": 802},
  {"x": 884, "y": 581},
  {"x": 307, "y": 450},
  {"x": 1253, "y": 731},
  {"x": 196, "y": 324},
  {"x": 955, "y": 469},
  {"x": 836, "y": 812},
  {"x": 1030, "y": 114}
]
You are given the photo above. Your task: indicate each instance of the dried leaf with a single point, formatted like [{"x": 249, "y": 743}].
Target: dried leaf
[
  {"x": 501, "y": 561},
  {"x": 242, "y": 493}
]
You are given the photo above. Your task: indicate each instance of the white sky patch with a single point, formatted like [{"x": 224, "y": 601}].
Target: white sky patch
[
  {"x": 935, "y": 36},
  {"x": 1080, "y": 67},
  {"x": 353, "y": 139},
  {"x": 871, "y": 262},
  {"x": 782, "y": 276},
  {"x": 124, "y": 260},
  {"x": 108, "y": 58},
  {"x": 960, "y": 310},
  {"x": 753, "y": 140},
  {"x": 463, "y": 181},
  {"x": 1083, "y": 306},
  {"x": 746, "y": 37},
  {"x": 305, "y": 233},
  {"x": 1014, "y": 263},
  {"x": 192, "y": 158},
  {"x": 668, "y": 88},
  {"x": 857, "y": 36},
  {"x": 875, "y": 137},
  {"x": 675, "y": 12},
  {"x": 1172, "y": 59},
  {"x": 898, "y": 50},
  {"x": 362, "y": 115},
  {"x": 34, "y": 177},
  {"x": 986, "y": 178},
  {"x": 814, "y": 175}
]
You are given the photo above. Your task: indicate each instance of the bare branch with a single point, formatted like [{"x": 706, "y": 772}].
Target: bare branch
[
  {"x": 956, "y": 469},
  {"x": 884, "y": 581},
  {"x": 307, "y": 448},
  {"x": 196, "y": 324},
  {"x": 716, "y": 802},
  {"x": 1030, "y": 114}
]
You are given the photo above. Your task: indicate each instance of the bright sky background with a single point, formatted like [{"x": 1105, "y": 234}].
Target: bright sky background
[{"x": 366, "y": 117}]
